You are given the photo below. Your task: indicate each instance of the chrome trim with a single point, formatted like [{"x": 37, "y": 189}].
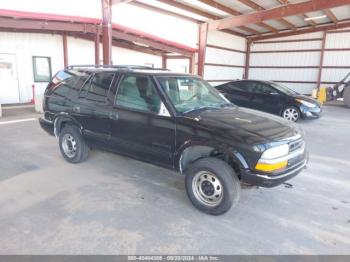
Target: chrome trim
[{"x": 283, "y": 175}]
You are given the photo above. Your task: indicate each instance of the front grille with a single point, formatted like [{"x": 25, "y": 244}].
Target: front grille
[
  {"x": 299, "y": 158},
  {"x": 295, "y": 145}
]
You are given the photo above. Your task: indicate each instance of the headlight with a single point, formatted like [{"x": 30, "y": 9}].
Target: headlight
[
  {"x": 272, "y": 159},
  {"x": 305, "y": 103},
  {"x": 275, "y": 152}
]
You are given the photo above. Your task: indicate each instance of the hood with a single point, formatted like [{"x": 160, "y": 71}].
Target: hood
[{"x": 242, "y": 125}]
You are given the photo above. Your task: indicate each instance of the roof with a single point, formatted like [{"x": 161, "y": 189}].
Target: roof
[
  {"x": 20, "y": 20},
  {"x": 208, "y": 10},
  {"x": 125, "y": 68}
]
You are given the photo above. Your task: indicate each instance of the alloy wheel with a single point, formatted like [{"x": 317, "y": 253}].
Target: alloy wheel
[{"x": 291, "y": 114}]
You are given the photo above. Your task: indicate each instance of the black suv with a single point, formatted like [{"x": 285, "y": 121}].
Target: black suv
[{"x": 177, "y": 121}]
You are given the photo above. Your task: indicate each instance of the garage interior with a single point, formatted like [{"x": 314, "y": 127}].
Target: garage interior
[{"x": 115, "y": 205}]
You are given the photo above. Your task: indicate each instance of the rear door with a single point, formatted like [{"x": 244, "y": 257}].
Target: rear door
[
  {"x": 93, "y": 108},
  {"x": 143, "y": 127},
  {"x": 238, "y": 93}
]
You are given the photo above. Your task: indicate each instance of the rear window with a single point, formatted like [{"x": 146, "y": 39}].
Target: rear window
[{"x": 66, "y": 81}]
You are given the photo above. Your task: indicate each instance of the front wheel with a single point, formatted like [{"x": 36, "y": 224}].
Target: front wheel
[
  {"x": 291, "y": 114},
  {"x": 212, "y": 185}
]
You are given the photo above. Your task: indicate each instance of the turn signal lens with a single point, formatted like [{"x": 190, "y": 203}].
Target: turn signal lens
[{"x": 271, "y": 167}]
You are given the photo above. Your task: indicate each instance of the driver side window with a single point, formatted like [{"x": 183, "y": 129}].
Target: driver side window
[{"x": 138, "y": 92}]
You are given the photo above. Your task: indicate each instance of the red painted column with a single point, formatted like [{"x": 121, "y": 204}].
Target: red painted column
[
  {"x": 65, "y": 50},
  {"x": 97, "y": 47},
  {"x": 164, "y": 60},
  {"x": 203, "y": 33},
  {"x": 107, "y": 31},
  {"x": 191, "y": 64},
  {"x": 247, "y": 60}
]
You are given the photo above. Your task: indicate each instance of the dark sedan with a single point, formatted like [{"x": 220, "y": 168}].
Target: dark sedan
[{"x": 272, "y": 98}]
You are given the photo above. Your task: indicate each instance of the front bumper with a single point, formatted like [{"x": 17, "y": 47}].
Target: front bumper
[
  {"x": 310, "y": 112},
  {"x": 271, "y": 180}
]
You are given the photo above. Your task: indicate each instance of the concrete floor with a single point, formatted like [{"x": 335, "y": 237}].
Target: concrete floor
[{"x": 115, "y": 205}]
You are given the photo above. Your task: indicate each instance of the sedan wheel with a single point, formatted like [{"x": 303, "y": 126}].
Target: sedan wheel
[{"x": 291, "y": 114}]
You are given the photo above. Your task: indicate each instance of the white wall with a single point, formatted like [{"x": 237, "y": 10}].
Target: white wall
[
  {"x": 224, "y": 57},
  {"x": 299, "y": 59},
  {"x": 26, "y": 45},
  {"x": 336, "y": 58},
  {"x": 82, "y": 51}
]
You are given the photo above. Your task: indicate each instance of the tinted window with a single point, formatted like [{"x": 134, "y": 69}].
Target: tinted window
[
  {"x": 138, "y": 92},
  {"x": 262, "y": 88},
  {"x": 97, "y": 88},
  {"x": 246, "y": 86},
  {"x": 65, "y": 81}
]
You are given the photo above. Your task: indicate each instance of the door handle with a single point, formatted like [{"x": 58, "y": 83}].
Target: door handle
[
  {"x": 113, "y": 115},
  {"x": 76, "y": 109}
]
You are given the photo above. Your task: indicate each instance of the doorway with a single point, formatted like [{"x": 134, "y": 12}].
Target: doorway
[{"x": 9, "y": 89}]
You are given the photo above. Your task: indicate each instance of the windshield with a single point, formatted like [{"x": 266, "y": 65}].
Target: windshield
[
  {"x": 283, "y": 88},
  {"x": 189, "y": 93}
]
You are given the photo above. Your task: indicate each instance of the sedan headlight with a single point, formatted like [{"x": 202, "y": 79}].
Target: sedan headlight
[
  {"x": 306, "y": 103},
  {"x": 273, "y": 159}
]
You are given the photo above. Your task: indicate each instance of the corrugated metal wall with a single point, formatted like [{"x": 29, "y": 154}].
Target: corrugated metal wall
[
  {"x": 336, "y": 63},
  {"x": 225, "y": 57},
  {"x": 295, "y": 60},
  {"x": 291, "y": 63}
]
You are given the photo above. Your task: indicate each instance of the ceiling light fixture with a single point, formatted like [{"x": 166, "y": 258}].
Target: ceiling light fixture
[{"x": 314, "y": 17}]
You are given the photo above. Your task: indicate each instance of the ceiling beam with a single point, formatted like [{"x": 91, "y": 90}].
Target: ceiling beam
[
  {"x": 46, "y": 25},
  {"x": 320, "y": 28},
  {"x": 191, "y": 9},
  {"x": 234, "y": 12},
  {"x": 331, "y": 15},
  {"x": 149, "y": 42},
  {"x": 164, "y": 11},
  {"x": 303, "y": 16},
  {"x": 275, "y": 13},
  {"x": 257, "y": 7}
]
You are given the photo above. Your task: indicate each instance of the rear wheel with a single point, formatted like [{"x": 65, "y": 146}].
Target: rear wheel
[
  {"x": 291, "y": 114},
  {"x": 212, "y": 186},
  {"x": 72, "y": 145},
  {"x": 346, "y": 96}
]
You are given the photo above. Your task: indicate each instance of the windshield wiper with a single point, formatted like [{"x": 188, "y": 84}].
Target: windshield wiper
[{"x": 200, "y": 108}]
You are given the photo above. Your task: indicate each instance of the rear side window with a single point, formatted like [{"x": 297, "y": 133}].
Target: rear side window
[
  {"x": 97, "y": 88},
  {"x": 245, "y": 86},
  {"x": 65, "y": 81}
]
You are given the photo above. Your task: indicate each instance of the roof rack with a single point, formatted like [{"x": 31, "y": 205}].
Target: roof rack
[{"x": 127, "y": 67}]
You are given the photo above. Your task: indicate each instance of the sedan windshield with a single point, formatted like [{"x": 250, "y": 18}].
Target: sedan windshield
[
  {"x": 189, "y": 93},
  {"x": 283, "y": 88}
]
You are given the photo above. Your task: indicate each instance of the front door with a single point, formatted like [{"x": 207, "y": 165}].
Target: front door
[
  {"x": 143, "y": 127},
  {"x": 9, "y": 92}
]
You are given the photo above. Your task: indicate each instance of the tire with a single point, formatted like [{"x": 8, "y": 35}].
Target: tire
[
  {"x": 291, "y": 113},
  {"x": 346, "y": 96},
  {"x": 226, "y": 182},
  {"x": 69, "y": 139}
]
